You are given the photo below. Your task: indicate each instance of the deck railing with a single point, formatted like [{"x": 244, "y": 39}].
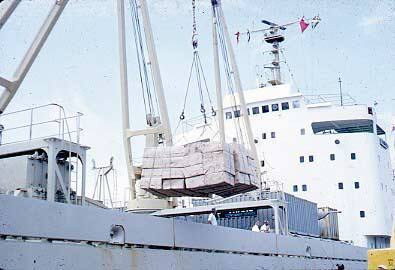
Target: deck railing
[{"x": 40, "y": 122}]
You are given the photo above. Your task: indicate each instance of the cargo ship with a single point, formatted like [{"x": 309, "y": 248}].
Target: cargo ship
[{"x": 47, "y": 221}]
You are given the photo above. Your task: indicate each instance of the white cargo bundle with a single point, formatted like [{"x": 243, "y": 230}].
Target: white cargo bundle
[{"x": 198, "y": 169}]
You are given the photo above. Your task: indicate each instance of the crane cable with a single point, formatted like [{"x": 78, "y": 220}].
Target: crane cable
[
  {"x": 228, "y": 72},
  {"x": 199, "y": 73},
  {"x": 142, "y": 62}
]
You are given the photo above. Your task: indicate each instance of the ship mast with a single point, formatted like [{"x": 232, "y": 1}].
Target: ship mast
[{"x": 274, "y": 37}]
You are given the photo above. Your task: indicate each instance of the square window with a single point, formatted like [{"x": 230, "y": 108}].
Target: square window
[
  {"x": 295, "y": 188},
  {"x": 301, "y": 159},
  {"x": 262, "y": 163},
  {"x": 340, "y": 185},
  {"x": 304, "y": 187},
  {"x": 237, "y": 113},
  {"x": 228, "y": 115},
  {"x": 255, "y": 110},
  {"x": 275, "y": 107},
  {"x": 264, "y": 136},
  {"x": 296, "y": 104},
  {"x": 362, "y": 214},
  {"x": 353, "y": 156},
  {"x": 356, "y": 185},
  {"x": 265, "y": 108},
  {"x": 311, "y": 158},
  {"x": 284, "y": 106},
  {"x": 332, "y": 156},
  {"x": 273, "y": 135},
  {"x": 302, "y": 131}
]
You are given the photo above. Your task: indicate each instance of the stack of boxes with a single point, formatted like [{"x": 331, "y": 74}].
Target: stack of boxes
[{"x": 199, "y": 170}]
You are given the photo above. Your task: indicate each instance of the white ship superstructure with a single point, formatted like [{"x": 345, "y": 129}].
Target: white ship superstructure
[{"x": 335, "y": 155}]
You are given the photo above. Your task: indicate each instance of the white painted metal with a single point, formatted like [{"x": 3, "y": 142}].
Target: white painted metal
[
  {"x": 371, "y": 168},
  {"x": 218, "y": 87},
  {"x": 11, "y": 86},
  {"x": 153, "y": 58},
  {"x": 164, "y": 124},
  {"x": 43, "y": 255},
  {"x": 6, "y": 9},
  {"x": 55, "y": 222},
  {"x": 125, "y": 98},
  {"x": 53, "y": 147},
  {"x": 239, "y": 88}
]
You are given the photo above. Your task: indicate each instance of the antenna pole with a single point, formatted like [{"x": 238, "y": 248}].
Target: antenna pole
[{"x": 341, "y": 92}]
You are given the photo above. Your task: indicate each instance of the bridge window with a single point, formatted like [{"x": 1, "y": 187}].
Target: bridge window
[
  {"x": 304, "y": 187},
  {"x": 362, "y": 214},
  {"x": 255, "y": 110},
  {"x": 332, "y": 156},
  {"x": 248, "y": 111},
  {"x": 340, "y": 185},
  {"x": 343, "y": 126},
  {"x": 302, "y": 131},
  {"x": 296, "y": 104},
  {"x": 284, "y": 106},
  {"x": 273, "y": 135},
  {"x": 353, "y": 156},
  {"x": 228, "y": 115},
  {"x": 264, "y": 136},
  {"x": 237, "y": 113},
  {"x": 356, "y": 185},
  {"x": 275, "y": 107},
  {"x": 295, "y": 188},
  {"x": 301, "y": 159},
  {"x": 311, "y": 158},
  {"x": 265, "y": 108},
  {"x": 262, "y": 163}
]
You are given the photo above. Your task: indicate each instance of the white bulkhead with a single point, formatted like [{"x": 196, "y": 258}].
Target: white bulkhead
[{"x": 334, "y": 155}]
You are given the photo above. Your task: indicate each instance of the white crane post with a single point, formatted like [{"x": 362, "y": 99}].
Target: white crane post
[
  {"x": 32, "y": 52},
  {"x": 239, "y": 87},
  {"x": 125, "y": 98},
  {"x": 220, "y": 106},
  {"x": 153, "y": 58},
  {"x": 6, "y": 9}
]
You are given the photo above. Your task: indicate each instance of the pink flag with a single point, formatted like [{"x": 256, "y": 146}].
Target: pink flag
[{"x": 303, "y": 24}]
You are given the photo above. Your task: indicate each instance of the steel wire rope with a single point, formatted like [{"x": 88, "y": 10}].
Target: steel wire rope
[
  {"x": 228, "y": 72},
  {"x": 141, "y": 59},
  {"x": 289, "y": 70}
]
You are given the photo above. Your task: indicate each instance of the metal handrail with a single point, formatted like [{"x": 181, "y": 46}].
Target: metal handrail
[{"x": 61, "y": 121}]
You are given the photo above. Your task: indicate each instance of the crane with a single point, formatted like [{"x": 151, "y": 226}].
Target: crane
[
  {"x": 158, "y": 125},
  {"x": 12, "y": 85}
]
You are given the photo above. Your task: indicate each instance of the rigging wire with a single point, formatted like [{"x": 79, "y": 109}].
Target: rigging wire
[
  {"x": 141, "y": 60},
  {"x": 197, "y": 68},
  {"x": 228, "y": 72},
  {"x": 289, "y": 70}
]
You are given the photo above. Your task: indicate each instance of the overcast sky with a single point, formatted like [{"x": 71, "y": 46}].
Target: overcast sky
[{"x": 79, "y": 65}]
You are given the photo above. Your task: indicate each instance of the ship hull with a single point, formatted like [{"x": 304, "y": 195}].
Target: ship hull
[{"x": 36, "y": 234}]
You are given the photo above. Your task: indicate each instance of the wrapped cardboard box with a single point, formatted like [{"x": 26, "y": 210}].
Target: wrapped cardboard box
[
  {"x": 194, "y": 182},
  {"x": 173, "y": 183},
  {"x": 144, "y": 183},
  {"x": 164, "y": 173},
  {"x": 219, "y": 178},
  {"x": 155, "y": 183},
  {"x": 218, "y": 162},
  {"x": 216, "y": 147},
  {"x": 193, "y": 159},
  {"x": 194, "y": 170}
]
